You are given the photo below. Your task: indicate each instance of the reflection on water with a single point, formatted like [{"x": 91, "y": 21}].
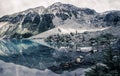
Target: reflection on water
[{"x": 33, "y": 55}]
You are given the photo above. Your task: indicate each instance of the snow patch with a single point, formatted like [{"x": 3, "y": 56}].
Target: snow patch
[
  {"x": 3, "y": 24},
  {"x": 67, "y": 30}
]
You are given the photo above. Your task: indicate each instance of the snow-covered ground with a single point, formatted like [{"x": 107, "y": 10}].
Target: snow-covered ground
[
  {"x": 66, "y": 29},
  {"x": 3, "y": 24},
  {"x": 10, "y": 69}
]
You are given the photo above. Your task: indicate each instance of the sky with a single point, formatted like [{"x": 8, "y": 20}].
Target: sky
[{"x": 12, "y": 6}]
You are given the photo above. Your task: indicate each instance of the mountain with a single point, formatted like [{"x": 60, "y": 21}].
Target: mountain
[{"x": 40, "y": 19}]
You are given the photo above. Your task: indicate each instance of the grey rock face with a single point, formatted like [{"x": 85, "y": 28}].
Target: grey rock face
[{"x": 37, "y": 20}]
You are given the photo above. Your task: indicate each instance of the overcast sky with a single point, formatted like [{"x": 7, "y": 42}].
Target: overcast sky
[{"x": 12, "y": 6}]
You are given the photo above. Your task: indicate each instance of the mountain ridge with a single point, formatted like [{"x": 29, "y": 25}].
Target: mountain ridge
[{"x": 40, "y": 19}]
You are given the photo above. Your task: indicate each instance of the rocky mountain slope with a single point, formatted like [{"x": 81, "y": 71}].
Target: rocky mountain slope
[{"x": 37, "y": 20}]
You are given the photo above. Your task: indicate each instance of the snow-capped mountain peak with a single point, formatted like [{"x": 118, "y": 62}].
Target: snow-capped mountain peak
[
  {"x": 40, "y": 19},
  {"x": 61, "y": 8},
  {"x": 39, "y": 10}
]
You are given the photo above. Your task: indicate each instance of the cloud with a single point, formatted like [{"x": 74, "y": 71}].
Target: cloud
[{"x": 12, "y": 6}]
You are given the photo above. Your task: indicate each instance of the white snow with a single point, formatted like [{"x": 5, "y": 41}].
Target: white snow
[
  {"x": 66, "y": 29},
  {"x": 3, "y": 24},
  {"x": 2, "y": 53},
  {"x": 86, "y": 49}
]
